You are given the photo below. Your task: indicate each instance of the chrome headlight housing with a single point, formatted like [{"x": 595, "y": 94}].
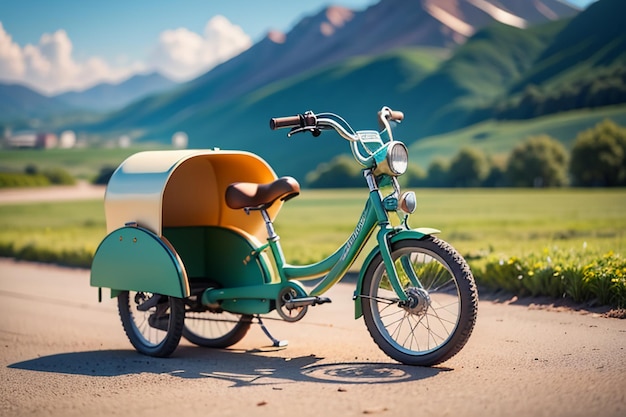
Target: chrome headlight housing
[
  {"x": 408, "y": 202},
  {"x": 394, "y": 161}
]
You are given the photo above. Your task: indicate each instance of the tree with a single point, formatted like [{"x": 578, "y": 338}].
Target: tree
[
  {"x": 414, "y": 176},
  {"x": 539, "y": 161},
  {"x": 468, "y": 168},
  {"x": 341, "y": 172},
  {"x": 437, "y": 175},
  {"x": 599, "y": 156},
  {"x": 497, "y": 173}
]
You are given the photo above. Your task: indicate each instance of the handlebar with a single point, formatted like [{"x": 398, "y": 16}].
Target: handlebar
[
  {"x": 310, "y": 122},
  {"x": 359, "y": 141}
]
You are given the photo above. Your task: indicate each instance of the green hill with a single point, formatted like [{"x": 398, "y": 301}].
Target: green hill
[
  {"x": 498, "y": 137},
  {"x": 346, "y": 89},
  {"x": 593, "y": 40},
  {"x": 465, "y": 87}
]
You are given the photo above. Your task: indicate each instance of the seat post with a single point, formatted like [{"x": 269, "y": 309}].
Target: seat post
[{"x": 271, "y": 233}]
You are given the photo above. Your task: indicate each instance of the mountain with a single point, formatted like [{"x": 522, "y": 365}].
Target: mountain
[
  {"x": 107, "y": 96},
  {"x": 331, "y": 36},
  {"x": 20, "y": 102},
  {"x": 488, "y": 76},
  {"x": 479, "y": 73}
]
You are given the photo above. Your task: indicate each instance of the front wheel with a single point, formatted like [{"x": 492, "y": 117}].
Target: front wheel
[
  {"x": 438, "y": 317},
  {"x": 153, "y": 322}
]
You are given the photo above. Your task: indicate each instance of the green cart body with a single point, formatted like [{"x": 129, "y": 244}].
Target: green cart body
[{"x": 169, "y": 229}]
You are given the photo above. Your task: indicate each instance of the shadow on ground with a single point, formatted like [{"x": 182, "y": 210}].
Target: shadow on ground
[{"x": 241, "y": 368}]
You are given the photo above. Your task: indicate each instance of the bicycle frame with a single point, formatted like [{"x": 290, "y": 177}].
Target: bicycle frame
[{"x": 335, "y": 266}]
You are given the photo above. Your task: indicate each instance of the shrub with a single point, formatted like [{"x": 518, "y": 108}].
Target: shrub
[
  {"x": 14, "y": 179},
  {"x": 606, "y": 278},
  {"x": 59, "y": 176},
  {"x": 600, "y": 279},
  {"x": 104, "y": 176}
]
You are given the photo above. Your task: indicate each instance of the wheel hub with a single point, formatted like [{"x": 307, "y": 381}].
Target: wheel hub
[{"x": 418, "y": 301}]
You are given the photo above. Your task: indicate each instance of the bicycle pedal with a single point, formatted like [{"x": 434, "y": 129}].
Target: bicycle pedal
[
  {"x": 323, "y": 300},
  {"x": 306, "y": 301}
]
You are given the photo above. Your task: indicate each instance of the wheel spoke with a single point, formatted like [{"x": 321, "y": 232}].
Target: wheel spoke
[{"x": 215, "y": 329}]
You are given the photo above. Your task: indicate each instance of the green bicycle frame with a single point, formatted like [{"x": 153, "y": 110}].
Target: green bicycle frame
[{"x": 336, "y": 265}]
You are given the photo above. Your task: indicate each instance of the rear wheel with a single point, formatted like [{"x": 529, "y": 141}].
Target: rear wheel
[
  {"x": 438, "y": 317},
  {"x": 215, "y": 329},
  {"x": 153, "y": 322},
  {"x": 210, "y": 326}
]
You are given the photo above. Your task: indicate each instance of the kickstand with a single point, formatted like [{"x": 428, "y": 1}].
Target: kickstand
[{"x": 275, "y": 342}]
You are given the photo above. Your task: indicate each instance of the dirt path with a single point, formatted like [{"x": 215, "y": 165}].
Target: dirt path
[
  {"x": 80, "y": 191},
  {"x": 64, "y": 354}
]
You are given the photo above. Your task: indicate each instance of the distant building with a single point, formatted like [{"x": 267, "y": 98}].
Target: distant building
[
  {"x": 67, "y": 139},
  {"x": 33, "y": 140},
  {"x": 124, "y": 141},
  {"x": 180, "y": 140},
  {"x": 46, "y": 141}
]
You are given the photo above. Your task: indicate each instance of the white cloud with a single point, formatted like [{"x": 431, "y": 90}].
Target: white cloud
[
  {"x": 11, "y": 58},
  {"x": 182, "y": 54},
  {"x": 50, "y": 67}
]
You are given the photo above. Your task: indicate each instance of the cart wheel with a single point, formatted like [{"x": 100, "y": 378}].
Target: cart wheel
[
  {"x": 215, "y": 329},
  {"x": 153, "y": 322}
]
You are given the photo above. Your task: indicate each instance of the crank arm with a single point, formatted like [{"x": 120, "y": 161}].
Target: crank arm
[
  {"x": 305, "y": 301},
  {"x": 151, "y": 302}
]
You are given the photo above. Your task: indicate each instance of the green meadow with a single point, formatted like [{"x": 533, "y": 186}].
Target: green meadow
[{"x": 509, "y": 236}]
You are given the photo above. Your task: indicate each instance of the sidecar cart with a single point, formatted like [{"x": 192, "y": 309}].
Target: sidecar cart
[{"x": 170, "y": 231}]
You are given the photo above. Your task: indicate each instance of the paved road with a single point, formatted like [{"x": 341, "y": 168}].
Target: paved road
[{"x": 64, "y": 354}]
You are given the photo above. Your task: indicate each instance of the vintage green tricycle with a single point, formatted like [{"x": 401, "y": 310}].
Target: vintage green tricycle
[{"x": 191, "y": 251}]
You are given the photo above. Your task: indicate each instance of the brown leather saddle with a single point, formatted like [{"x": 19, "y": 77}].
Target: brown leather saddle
[{"x": 251, "y": 195}]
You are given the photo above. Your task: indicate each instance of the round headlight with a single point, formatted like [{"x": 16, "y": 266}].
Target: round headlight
[
  {"x": 408, "y": 202},
  {"x": 397, "y": 158},
  {"x": 391, "y": 159}
]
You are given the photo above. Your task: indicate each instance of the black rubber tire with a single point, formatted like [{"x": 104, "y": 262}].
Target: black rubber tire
[
  {"x": 146, "y": 338},
  {"x": 439, "y": 332},
  {"x": 224, "y": 329}
]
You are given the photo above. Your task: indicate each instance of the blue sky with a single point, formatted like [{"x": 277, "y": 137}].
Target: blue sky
[
  {"x": 68, "y": 44},
  {"x": 110, "y": 27}
]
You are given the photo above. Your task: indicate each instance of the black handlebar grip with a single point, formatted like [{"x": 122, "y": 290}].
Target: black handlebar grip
[{"x": 289, "y": 121}]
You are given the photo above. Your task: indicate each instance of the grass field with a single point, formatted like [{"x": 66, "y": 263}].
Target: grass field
[
  {"x": 507, "y": 222},
  {"x": 476, "y": 221},
  {"x": 487, "y": 226},
  {"x": 84, "y": 163}
]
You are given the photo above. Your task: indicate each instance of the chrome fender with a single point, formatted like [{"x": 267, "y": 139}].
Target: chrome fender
[
  {"x": 418, "y": 233},
  {"x": 135, "y": 259}
]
